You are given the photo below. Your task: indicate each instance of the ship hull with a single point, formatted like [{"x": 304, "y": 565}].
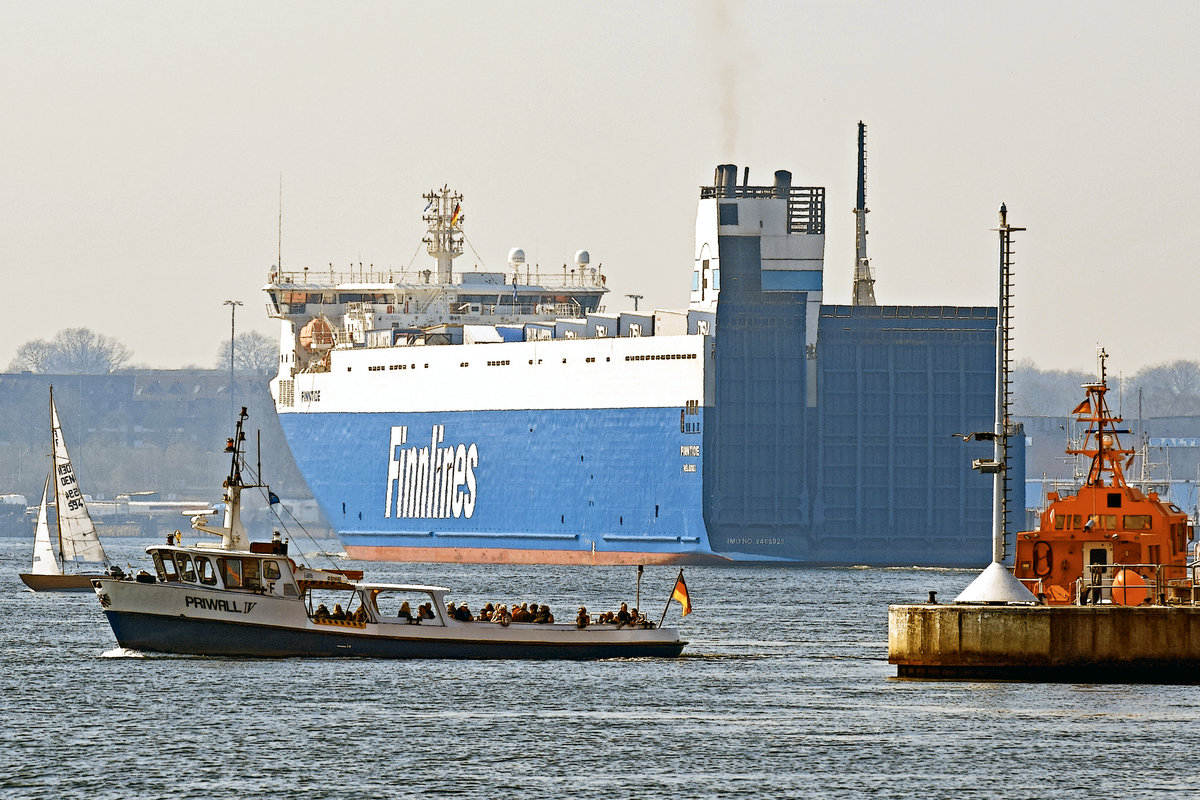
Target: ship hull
[
  {"x": 582, "y": 486},
  {"x": 184, "y": 636}
]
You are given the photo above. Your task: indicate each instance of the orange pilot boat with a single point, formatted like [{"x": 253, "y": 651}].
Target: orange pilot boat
[{"x": 1109, "y": 542}]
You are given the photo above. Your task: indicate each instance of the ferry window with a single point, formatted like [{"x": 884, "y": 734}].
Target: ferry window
[
  {"x": 695, "y": 281},
  {"x": 186, "y": 571},
  {"x": 728, "y": 214},
  {"x": 1137, "y": 522},
  {"x": 271, "y": 570},
  {"x": 402, "y": 607},
  {"x": 250, "y": 573},
  {"x": 232, "y": 569},
  {"x": 165, "y": 567},
  {"x": 208, "y": 575},
  {"x": 716, "y": 280},
  {"x": 1114, "y": 499},
  {"x": 1060, "y": 520}
]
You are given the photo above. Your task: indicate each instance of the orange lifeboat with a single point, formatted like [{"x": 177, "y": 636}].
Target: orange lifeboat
[
  {"x": 1107, "y": 538},
  {"x": 317, "y": 335}
]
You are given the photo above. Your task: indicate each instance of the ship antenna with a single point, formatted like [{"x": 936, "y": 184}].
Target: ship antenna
[
  {"x": 996, "y": 584},
  {"x": 864, "y": 280},
  {"x": 1000, "y": 490},
  {"x": 279, "y": 238}
]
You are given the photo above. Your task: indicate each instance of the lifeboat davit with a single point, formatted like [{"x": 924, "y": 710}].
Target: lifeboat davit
[
  {"x": 1108, "y": 542},
  {"x": 317, "y": 335}
]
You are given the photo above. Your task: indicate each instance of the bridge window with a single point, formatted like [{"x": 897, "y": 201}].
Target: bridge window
[
  {"x": 204, "y": 567},
  {"x": 186, "y": 571},
  {"x": 1137, "y": 522}
]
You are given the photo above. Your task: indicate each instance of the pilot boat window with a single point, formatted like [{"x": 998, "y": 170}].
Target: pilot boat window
[
  {"x": 165, "y": 567},
  {"x": 186, "y": 571},
  {"x": 1137, "y": 522},
  {"x": 271, "y": 570},
  {"x": 204, "y": 567}
]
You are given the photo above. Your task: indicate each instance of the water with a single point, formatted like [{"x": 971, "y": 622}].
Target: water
[{"x": 784, "y": 691}]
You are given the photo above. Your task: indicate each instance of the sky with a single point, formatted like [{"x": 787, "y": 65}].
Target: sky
[{"x": 149, "y": 148}]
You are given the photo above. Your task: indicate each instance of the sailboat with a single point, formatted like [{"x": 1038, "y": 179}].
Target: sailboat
[{"x": 79, "y": 557}]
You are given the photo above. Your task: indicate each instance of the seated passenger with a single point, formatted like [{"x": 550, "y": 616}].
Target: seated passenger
[
  {"x": 485, "y": 615},
  {"x": 338, "y": 612},
  {"x": 321, "y": 613},
  {"x": 425, "y": 611},
  {"x": 543, "y": 614},
  {"x": 405, "y": 611},
  {"x": 452, "y": 611},
  {"x": 360, "y": 614},
  {"x": 582, "y": 619},
  {"x": 623, "y": 616},
  {"x": 522, "y": 614},
  {"x": 463, "y": 614}
]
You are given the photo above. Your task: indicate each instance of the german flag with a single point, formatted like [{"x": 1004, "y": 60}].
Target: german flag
[
  {"x": 680, "y": 594},
  {"x": 457, "y": 213}
]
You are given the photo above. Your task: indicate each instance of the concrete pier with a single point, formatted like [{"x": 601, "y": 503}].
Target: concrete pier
[{"x": 1149, "y": 644}]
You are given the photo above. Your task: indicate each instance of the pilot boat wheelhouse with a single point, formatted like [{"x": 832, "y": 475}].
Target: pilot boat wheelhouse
[{"x": 1109, "y": 541}]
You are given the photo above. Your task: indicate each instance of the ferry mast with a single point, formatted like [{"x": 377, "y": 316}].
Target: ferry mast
[
  {"x": 444, "y": 238},
  {"x": 864, "y": 279}
]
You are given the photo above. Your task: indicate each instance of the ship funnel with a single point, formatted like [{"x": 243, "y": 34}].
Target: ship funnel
[
  {"x": 726, "y": 180},
  {"x": 783, "y": 183}
]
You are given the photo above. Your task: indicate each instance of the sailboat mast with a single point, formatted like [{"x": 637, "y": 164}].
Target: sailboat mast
[{"x": 53, "y": 478}]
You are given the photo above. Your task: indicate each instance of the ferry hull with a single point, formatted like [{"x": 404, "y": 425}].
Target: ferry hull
[
  {"x": 495, "y": 555},
  {"x": 189, "y": 636},
  {"x": 582, "y": 486}
]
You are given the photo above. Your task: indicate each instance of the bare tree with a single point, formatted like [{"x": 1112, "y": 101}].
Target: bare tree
[
  {"x": 252, "y": 352},
  {"x": 72, "y": 351}
]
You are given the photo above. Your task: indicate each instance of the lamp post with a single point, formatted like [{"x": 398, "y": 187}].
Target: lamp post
[{"x": 233, "y": 304}]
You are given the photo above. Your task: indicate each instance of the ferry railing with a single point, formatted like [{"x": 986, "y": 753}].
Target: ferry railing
[{"x": 564, "y": 276}]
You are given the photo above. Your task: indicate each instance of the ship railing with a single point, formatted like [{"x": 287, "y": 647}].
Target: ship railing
[
  {"x": 318, "y": 279},
  {"x": 1159, "y": 584},
  {"x": 805, "y": 204}
]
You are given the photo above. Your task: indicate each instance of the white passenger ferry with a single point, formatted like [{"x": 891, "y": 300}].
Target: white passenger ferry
[{"x": 242, "y": 598}]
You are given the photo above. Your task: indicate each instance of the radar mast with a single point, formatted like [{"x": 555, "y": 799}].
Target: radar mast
[
  {"x": 864, "y": 279},
  {"x": 444, "y": 239}
]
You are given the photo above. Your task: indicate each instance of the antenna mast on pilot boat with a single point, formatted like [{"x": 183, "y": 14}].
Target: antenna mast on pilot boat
[
  {"x": 996, "y": 584},
  {"x": 864, "y": 280}
]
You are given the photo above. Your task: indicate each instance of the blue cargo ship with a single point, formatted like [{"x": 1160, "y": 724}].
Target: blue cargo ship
[{"x": 506, "y": 417}]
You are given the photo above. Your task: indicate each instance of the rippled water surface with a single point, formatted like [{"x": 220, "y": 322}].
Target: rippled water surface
[{"x": 783, "y": 691}]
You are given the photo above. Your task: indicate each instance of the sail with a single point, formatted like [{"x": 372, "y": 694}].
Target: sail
[
  {"x": 44, "y": 562},
  {"x": 77, "y": 535}
]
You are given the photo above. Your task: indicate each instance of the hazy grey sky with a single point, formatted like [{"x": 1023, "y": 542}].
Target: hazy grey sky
[{"x": 144, "y": 142}]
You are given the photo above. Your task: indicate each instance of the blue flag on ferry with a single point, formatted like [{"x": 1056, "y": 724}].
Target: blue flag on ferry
[{"x": 272, "y": 498}]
